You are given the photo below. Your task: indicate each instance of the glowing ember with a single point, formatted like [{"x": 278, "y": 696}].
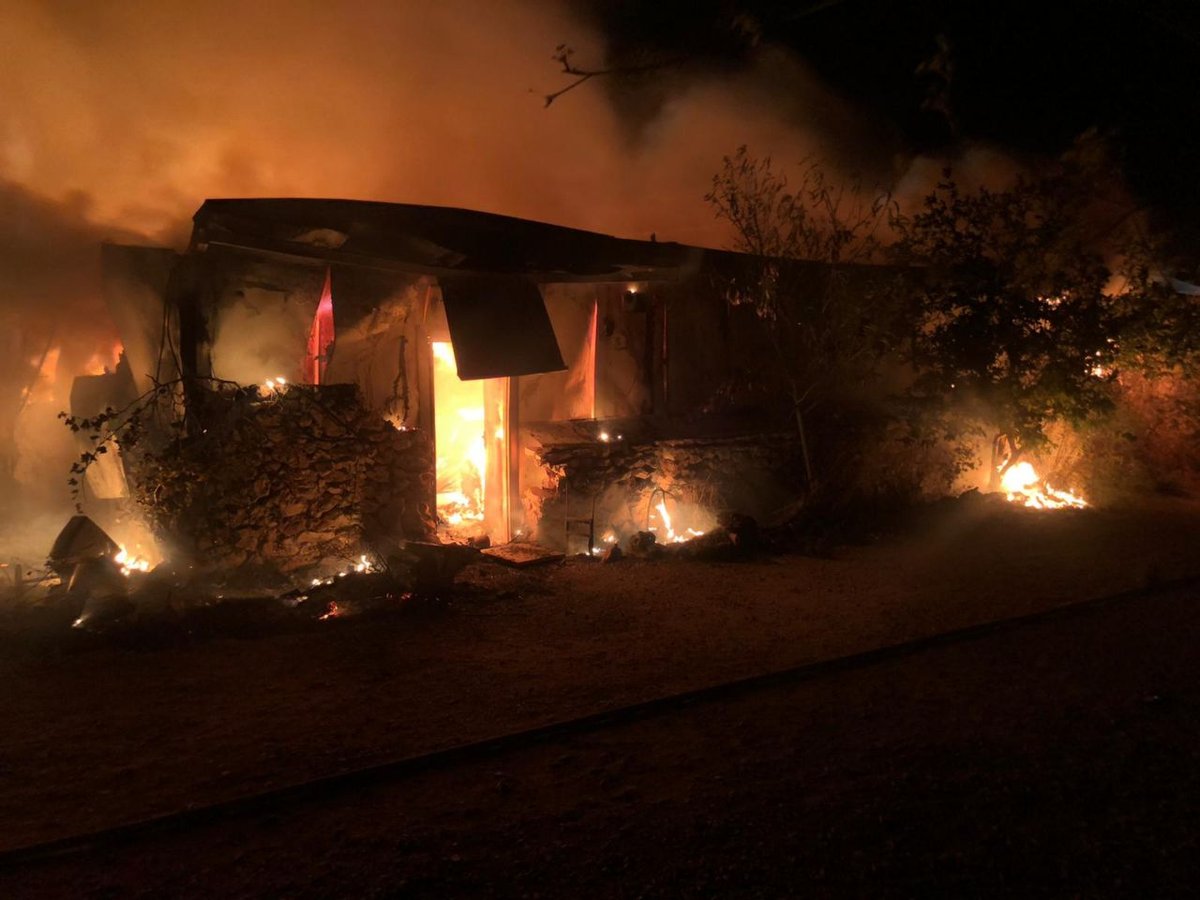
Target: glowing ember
[
  {"x": 1022, "y": 484},
  {"x": 274, "y": 385},
  {"x": 130, "y": 564}
]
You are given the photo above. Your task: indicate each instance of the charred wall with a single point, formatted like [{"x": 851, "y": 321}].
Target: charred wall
[{"x": 686, "y": 380}]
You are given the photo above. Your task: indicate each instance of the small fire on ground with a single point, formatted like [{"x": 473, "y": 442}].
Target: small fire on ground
[
  {"x": 1022, "y": 484},
  {"x": 130, "y": 564},
  {"x": 669, "y": 526},
  {"x": 363, "y": 566}
]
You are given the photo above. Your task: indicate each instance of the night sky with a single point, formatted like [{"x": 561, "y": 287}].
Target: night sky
[{"x": 1026, "y": 76}]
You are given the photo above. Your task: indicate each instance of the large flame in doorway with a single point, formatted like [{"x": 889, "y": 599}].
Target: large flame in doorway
[
  {"x": 461, "y": 449},
  {"x": 1022, "y": 484}
]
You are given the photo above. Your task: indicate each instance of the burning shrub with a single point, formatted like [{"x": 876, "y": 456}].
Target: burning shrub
[{"x": 1150, "y": 441}]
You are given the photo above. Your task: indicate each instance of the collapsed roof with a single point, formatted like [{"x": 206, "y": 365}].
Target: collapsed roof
[{"x": 434, "y": 240}]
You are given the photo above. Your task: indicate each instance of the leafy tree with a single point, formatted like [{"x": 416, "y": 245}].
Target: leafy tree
[
  {"x": 1020, "y": 317},
  {"x": 142, "y": 426},
  {"x": 826, "y": 328}
]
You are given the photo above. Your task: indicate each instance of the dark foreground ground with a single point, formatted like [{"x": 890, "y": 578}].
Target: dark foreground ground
[
  {"x": 1054, "y": 759},
  {"x": 1058, "y": 759}
]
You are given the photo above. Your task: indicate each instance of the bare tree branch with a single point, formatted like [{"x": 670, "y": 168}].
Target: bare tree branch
[{"x": 563, "y": 54}]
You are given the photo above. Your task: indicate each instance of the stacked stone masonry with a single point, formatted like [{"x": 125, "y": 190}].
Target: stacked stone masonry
[{"x": 291, "y": 480}]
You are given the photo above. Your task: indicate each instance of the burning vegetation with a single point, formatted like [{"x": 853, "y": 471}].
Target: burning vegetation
[{"x": 1022, "y": 484}]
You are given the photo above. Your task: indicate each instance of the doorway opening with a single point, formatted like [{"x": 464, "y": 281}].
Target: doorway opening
[{"x": 471, "y": 447}]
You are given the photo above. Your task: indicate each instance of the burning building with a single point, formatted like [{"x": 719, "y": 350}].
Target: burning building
[{"x": 349, "y": 373}]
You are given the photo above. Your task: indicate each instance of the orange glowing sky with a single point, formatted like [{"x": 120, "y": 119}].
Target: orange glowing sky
[{"x": 140, "y": 110}]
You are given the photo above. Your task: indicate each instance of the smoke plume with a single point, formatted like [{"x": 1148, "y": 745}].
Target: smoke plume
[
  {"x": 146, "y": 109},
  {"x": 121, "y": 118}
]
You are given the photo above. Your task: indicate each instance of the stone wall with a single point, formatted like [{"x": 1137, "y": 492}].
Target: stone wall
[
  {"x": 700, "y": 478},
  {"x": 294, "y": 479}
]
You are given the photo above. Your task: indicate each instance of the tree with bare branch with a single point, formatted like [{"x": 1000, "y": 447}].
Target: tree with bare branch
[{"x": 825, "y": 332}]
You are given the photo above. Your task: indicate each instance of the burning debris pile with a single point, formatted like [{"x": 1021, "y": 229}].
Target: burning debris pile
[
  {"x": 670, "y": 490},
  {"x": 94, "y": 585},
  {"x": 733, "y": 536},
  {"x": 83, "y": 550},
  {"x": 289, "y": 476},
  {"x": 1022, "y": 484},
  {"x": 93, "y": 569}
]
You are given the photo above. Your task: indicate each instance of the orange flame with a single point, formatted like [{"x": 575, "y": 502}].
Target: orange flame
[
  {"x": 665, "y": 518},
  {"x": 1022, "y": 484},
  {"x": 130, "y": 564},
  {"x": 461, "y": 448}
]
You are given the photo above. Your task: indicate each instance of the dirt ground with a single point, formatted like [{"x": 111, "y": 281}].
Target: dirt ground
[
  {"x": 95, "y": 734},
  {"x": 1051, "y": 760}
]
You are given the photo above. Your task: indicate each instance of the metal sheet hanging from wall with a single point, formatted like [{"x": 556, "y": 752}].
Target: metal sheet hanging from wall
[{"x": 499, "y": 327}]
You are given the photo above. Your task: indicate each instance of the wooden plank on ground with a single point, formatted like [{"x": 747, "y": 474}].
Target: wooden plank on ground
[{"x": 521, "y": 555}]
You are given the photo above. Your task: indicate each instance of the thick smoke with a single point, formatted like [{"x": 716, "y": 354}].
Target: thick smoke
[
  {"x": 53, "y": 325},
  {"x": 121, "y": 118},
  {"x": 149, "y": 108}
]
